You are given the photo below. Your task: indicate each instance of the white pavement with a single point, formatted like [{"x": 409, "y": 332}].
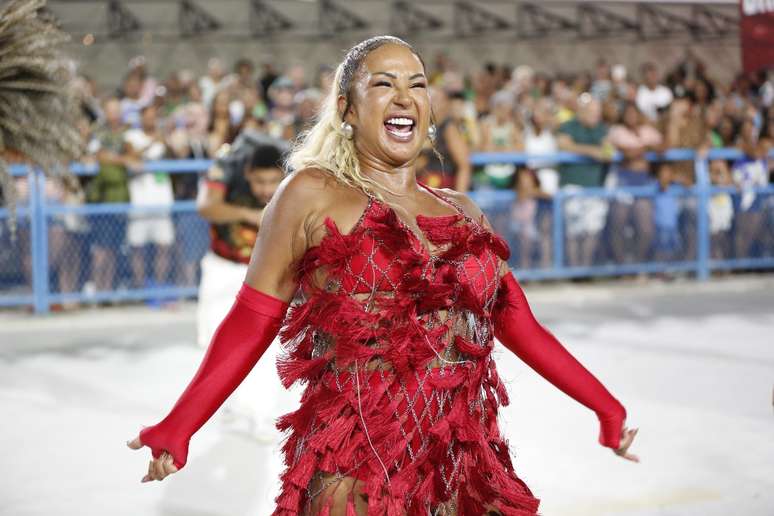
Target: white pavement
[{"x": 692, "y": 363}]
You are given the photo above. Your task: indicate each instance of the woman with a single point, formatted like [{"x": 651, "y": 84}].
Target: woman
[
  {"x": 539, "y": 140},
  {"x": 501, "y": 133},
  {"x": 448, "y": 160},
  {"x": 401, "y": 286},
  {"x": 633, "y": 137},
  {"x": 221, "y": 128}
]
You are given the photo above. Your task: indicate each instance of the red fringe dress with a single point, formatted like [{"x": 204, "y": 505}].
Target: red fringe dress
[{"x": 394, "y": 342}]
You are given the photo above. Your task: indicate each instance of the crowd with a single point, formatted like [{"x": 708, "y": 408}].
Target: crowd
[{"x": 496, "y": 108}]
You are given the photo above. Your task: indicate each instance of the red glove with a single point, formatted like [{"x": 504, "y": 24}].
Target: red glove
[
  {"x": 240, "y": 340},
  {"x": 516, "y": 327}
]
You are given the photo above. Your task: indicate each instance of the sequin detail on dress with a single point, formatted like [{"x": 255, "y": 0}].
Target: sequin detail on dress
[{"x": 393, "y": 341}]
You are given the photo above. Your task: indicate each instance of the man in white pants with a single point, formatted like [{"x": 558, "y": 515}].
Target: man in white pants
[{"x": 232, "y": 198}]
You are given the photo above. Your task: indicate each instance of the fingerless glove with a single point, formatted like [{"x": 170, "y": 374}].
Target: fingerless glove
[
  {"x": 240, "y": 340},
  {"x": 517, "y": 329}
]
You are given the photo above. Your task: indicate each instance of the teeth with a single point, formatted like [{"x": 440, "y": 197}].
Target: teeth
[{"x": 400, "y": 121}]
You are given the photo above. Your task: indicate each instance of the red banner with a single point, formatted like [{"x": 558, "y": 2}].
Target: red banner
[{"x": 756, "y": 33}]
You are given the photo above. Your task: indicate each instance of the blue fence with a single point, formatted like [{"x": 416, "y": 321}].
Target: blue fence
[{"x": 60, "y": 248}]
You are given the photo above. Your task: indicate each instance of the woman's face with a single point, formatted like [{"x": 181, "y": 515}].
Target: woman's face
[{"x": 390, "y": 110}]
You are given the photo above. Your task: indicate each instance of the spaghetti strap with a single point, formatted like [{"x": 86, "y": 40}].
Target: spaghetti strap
[{"x": 448, "y": 200}]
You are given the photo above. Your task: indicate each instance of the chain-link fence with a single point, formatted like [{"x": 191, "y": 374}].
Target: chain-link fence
[
  {"x": 16, "y": 258},
  {"x": 660, "y": 228},
  {"x": 69, "y": 252},
  {"x": 118, "y": 251}
]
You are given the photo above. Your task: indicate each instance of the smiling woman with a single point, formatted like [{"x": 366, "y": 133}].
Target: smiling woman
[{"x": 402, "y": 290}]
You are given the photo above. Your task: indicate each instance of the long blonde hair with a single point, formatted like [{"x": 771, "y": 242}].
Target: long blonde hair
[{"x": 325, "y": 145}]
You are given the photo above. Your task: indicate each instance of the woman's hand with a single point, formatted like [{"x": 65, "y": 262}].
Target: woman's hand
[
  {"x": 627, "y": 437},
  {"x": 159, "y": 468}
]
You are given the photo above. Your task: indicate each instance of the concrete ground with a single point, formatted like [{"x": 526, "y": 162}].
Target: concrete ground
[{"x": 693, "y": 364}]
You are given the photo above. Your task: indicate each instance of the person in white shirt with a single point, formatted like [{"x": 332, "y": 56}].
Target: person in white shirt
[
  {"x": 149, "y": 189},
  {"x": 539, "y": 140},
  {"x": 652, "y": 96}
]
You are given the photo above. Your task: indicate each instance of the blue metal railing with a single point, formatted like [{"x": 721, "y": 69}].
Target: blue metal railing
[{"x": 38, "y": 214}]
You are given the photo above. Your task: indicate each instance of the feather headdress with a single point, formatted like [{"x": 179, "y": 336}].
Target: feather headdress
[{"x": 38, "y": 106}]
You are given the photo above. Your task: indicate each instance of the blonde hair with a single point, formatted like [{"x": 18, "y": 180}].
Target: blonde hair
[{"x": 325, "y": 145}]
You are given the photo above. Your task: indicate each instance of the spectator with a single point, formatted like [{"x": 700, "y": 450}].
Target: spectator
[
  {"x": 524, "y": 213},
  {"x": 452, "y": 169},
  {"x": 189, "y": 141},
  {"x": 282, "y": 115},
  {"x": 149, "y": 189},
  {"x": 652, "y": 97},
  {"x": 584, "y": 216},
  {"x": 221, "y": 129},
  {"x": 297, "y": 76},
  {"x": 244, "y": 71},
  {"x": 633, "y": 137},
  {"x": 324, "y": 82},
  {"x": 685, "y": 127},
  {"x": 110, "y": 185},
  {"x": 500, "y": 133},
  {"x": 721, "y": 211},
  {"x": 539, "y": 140},
  {"x": 61, "y": 267},
  {"x": 132, "y": 101},
  {"x": 307, "y": 106},
  {"x": 484, "y": 86},
  {"x": 749, "y": 172},
  {"x": 621, "y": 89},
  {"x": 138, "y": 65},
  {"x": 667, "y": 215},
  {"x": 213, "y": 82},
  {"x": 602, "y": 86}
]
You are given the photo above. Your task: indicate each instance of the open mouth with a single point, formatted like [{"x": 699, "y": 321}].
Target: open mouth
[{"x": 400, "y": 127}]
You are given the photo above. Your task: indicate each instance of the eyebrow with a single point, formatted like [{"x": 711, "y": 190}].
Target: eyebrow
[{"x": 393, "y": 76}]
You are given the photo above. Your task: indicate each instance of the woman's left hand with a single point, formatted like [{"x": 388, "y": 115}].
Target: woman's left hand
[{"x": 627, "y": 437}]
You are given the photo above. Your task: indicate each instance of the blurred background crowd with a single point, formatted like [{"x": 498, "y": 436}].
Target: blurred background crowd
[{"x": 495, "y": 108}]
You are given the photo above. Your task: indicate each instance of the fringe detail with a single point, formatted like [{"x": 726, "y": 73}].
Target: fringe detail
[{"x": 434, "y": 431}]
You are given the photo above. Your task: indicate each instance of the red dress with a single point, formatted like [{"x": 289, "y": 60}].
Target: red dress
[{"x": 394, "y": 341}]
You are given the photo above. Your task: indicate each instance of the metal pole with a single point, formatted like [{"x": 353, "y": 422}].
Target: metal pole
[
  {"x": 39, "y": 240},
  {"x": 558, "y": 231},
  {"x": 702, "y": 218}
]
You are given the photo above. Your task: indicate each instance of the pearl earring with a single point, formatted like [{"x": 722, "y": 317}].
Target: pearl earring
[
  {"x": 431, "y": 132},
  {"x": 347, "y": 130}
]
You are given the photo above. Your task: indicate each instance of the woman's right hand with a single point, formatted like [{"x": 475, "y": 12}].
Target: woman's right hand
[{"x": 158, "y": 469}]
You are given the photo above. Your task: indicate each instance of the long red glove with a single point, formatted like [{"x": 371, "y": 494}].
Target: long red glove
[
  {"x": 516, "y": 327},
  {"x": 240, "y": 340}
]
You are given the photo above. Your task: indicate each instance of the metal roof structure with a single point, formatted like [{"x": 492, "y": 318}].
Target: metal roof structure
[{"x": 433, "y": 19}]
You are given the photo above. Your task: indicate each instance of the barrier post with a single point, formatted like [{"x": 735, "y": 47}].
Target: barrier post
[
  {"x": 701, "y": 168},
  {"x": 38, "y": 240},
  {"x": 558, "y": 230}
]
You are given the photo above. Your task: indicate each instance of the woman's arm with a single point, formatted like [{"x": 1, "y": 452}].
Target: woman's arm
[
  {"x": 246, "y": 332},
  {"x": 518, "y": 330}
]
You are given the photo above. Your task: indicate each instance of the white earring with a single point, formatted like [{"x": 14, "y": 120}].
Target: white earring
[
  {"x": 431, "y": 132},
  {"x": 347, "y": 130}
]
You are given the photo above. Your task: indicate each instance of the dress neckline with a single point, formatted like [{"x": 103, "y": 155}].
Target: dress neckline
[{"x": 452, "y": 217}]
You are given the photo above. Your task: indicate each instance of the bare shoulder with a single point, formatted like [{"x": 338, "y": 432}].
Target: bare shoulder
[
  {"x": 317, "y": 195},
  {"x": 306, "y": 184},
  {"x": 304, "y": 192}
]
